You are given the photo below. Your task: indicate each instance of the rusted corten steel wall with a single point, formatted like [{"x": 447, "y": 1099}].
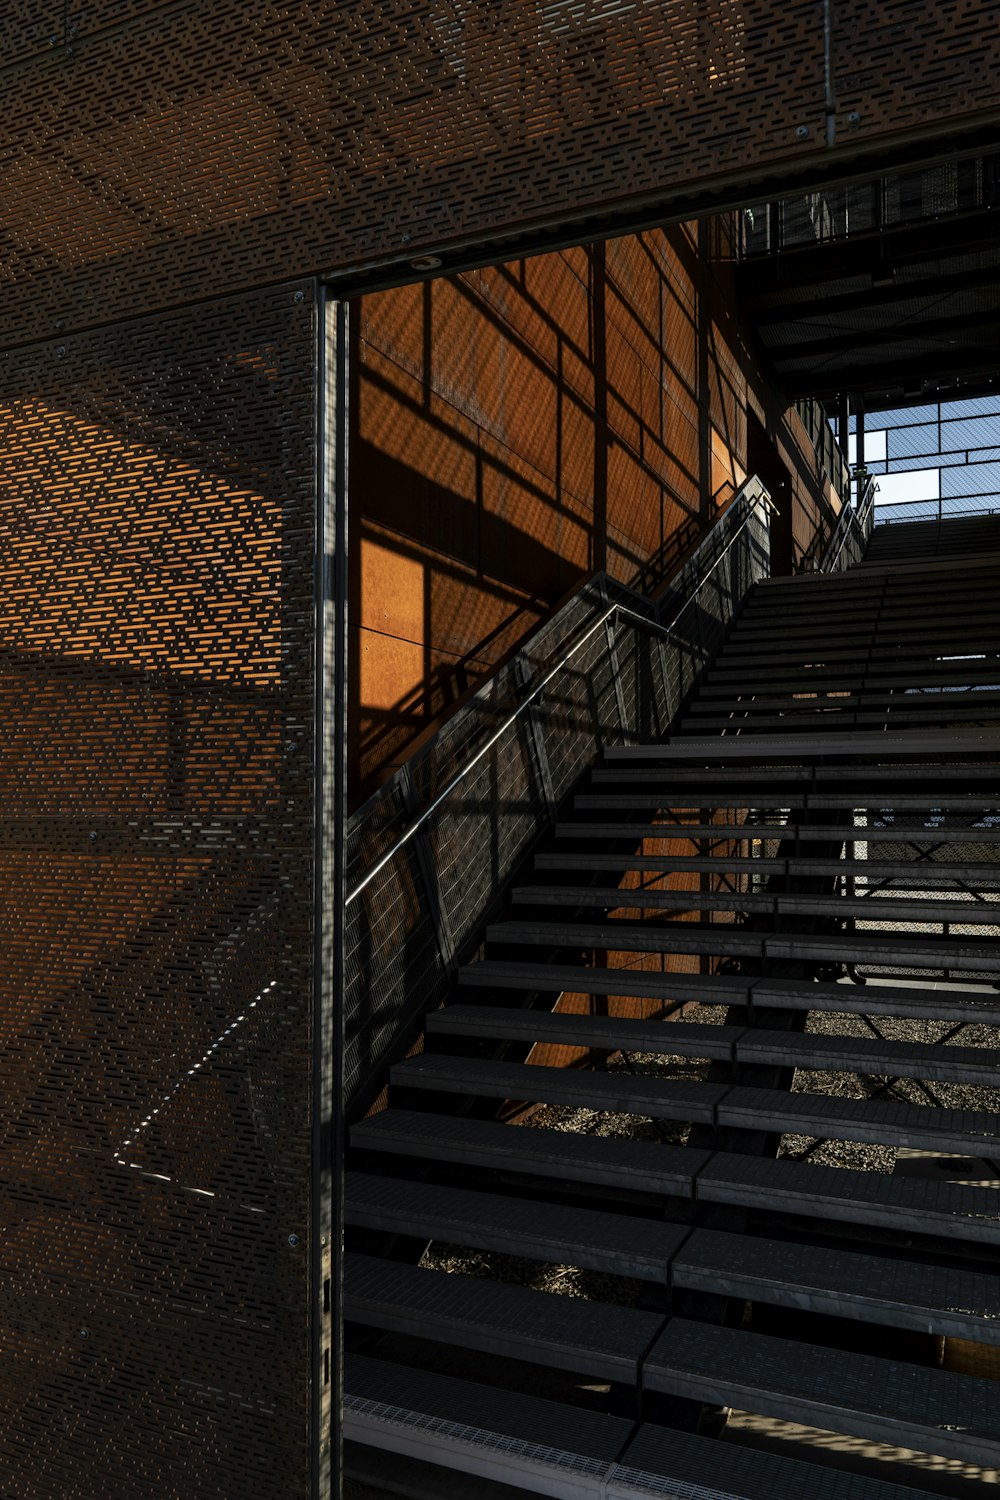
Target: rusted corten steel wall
[
  {"x": 156, "y": 640},
  {"x": 516, "y": 429},
  {"x": 155, "y": 152}
]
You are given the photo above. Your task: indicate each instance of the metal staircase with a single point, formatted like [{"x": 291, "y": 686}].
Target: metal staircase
[{"x": 772, "y": 1163}]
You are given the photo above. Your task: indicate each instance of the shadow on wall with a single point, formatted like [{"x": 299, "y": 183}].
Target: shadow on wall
[{"x": 514, "y": 430}]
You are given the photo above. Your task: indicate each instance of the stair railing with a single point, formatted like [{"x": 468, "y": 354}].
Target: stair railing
[
  {"x": 853, "y": 530},
  {"x": 430, "y": 855}
]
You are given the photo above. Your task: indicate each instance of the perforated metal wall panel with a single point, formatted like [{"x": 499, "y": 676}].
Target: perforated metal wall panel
[
  {"x": 156, "y": 646},
  {"x": 154, "y": 152}
]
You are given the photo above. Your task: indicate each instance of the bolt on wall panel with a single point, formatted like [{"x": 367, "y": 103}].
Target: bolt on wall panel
[
  {"x": 156, "y": 829},
  {"x": 155, "y": 152}
]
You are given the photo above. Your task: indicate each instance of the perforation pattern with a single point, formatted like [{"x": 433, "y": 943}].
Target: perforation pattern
[
  {"x": 154, "y": 152},
  {"x": 155, "y": 845}
]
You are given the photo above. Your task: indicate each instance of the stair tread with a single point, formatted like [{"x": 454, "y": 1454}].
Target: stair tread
[
  {"x": 510, "y": 1415},
  {"x": 934, "y": 1002},
  {"x": 639, "y": 1165},
  {"x": 798, "y": 746},
  {"x": 970, "y": 1131},
  {"x": 949, "y": 1209},
  {"x": 900, "y": 1059},
  {"x": 858, "y": 1394},
  {"x": 588, "y": 860},
  {"x": 803, "y": 698},
  {"x": 711, "y": 989},
  {"x": 938, "y": 1299},
  {"x": 836, "y": 721},
  {"x": 905, "y": 1059},
  {"x": 498, "y": 1318},
  {"x": 728, "y": 1469},
  {"x": 587, "y": 1237},
  {"x": 647, "y": 937},
  {"x": 961, "y": 909},
  {"x": 876, "y": 676},
  {"x": 894, "y": 833},
  {"x": 933, "y": 802},
  {"x": 622, "y": 1093},
  {"x": 673, "y": 1038},
  {"x": 931, "y": 1002},
  {"x": 510, "y": 1422},
  {"x": 926, "y": 950}
]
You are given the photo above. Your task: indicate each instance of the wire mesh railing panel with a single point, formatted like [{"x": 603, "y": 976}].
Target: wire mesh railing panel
[
  {"x": 955, "y": 859},
  {"x": 156, "y": 563},
  {"x": 480, "y": 834},
  {"x": 852, "y": 533},
  {"x": 395, "y": 969},
  {"x": 632, "y": 686},
  {"x": 579, "y": 715}
]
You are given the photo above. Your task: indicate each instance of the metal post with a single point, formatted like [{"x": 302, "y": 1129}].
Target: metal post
[
  {"x": 536, "y": 734},
  {"x": 424, "y": 854},
  {"x": 330, "y": 891},
  {"x": 616, "y": 678},
  {"x": 843, "y": 426}
]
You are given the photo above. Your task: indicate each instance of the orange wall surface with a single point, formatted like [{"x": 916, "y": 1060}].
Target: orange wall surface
[{"x": 520, "y": 427}]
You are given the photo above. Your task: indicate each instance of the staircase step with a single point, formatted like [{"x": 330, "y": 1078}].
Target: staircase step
[
  {"x": 881, "y": 1121},
  {"x": 799, "y": 747},
  {"x": 968, "y": 954},
  {"x": 879, "y": 1399},
  {"x": 886, "y": 1122},
  {"x": 726, "y": 679},
  {"x": 879, "y": 1289},
  {"x": 742, "y": 777},
  {"x": 962, "y": 909},
  {"x": 494, "y": 1318},
  {"x": 700, "y": 1468},
  {"x": 802, "y": 697},
  {"x": 888, "y": 1059},
  {"x": 907, "y": 1205},
  {"x": 931, "y": 802},
  {"x": 586, "y": 860},
  {"x": 798, "y": 717},
  {"x": 607, "y": 1033},
  {"x": 833, "y": 721},
  {"x": 911, "y": 832},
  {"x": 631, "y": 937},
  {"x": 603, "y": 1161},
  {"x": 542, "y": 978},
  {"x": 622, "y": 1093},
  {"x": 723, "y": 682},
  {"x": 486, "y": 1430},
  {"x": 658, "y": 799},
  {"x": 930, "y": 1002},
  {"x": 622, "y": 1245},
  {"x": 575, "y": 1438}
]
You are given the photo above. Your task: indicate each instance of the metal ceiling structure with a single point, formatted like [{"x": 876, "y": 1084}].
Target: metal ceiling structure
[{"x": 888, "y": 291}]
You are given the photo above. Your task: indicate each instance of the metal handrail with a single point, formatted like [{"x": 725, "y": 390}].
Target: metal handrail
[
  {"x": 851, "y": 516},
  {"x": 617, "y": 608}
]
